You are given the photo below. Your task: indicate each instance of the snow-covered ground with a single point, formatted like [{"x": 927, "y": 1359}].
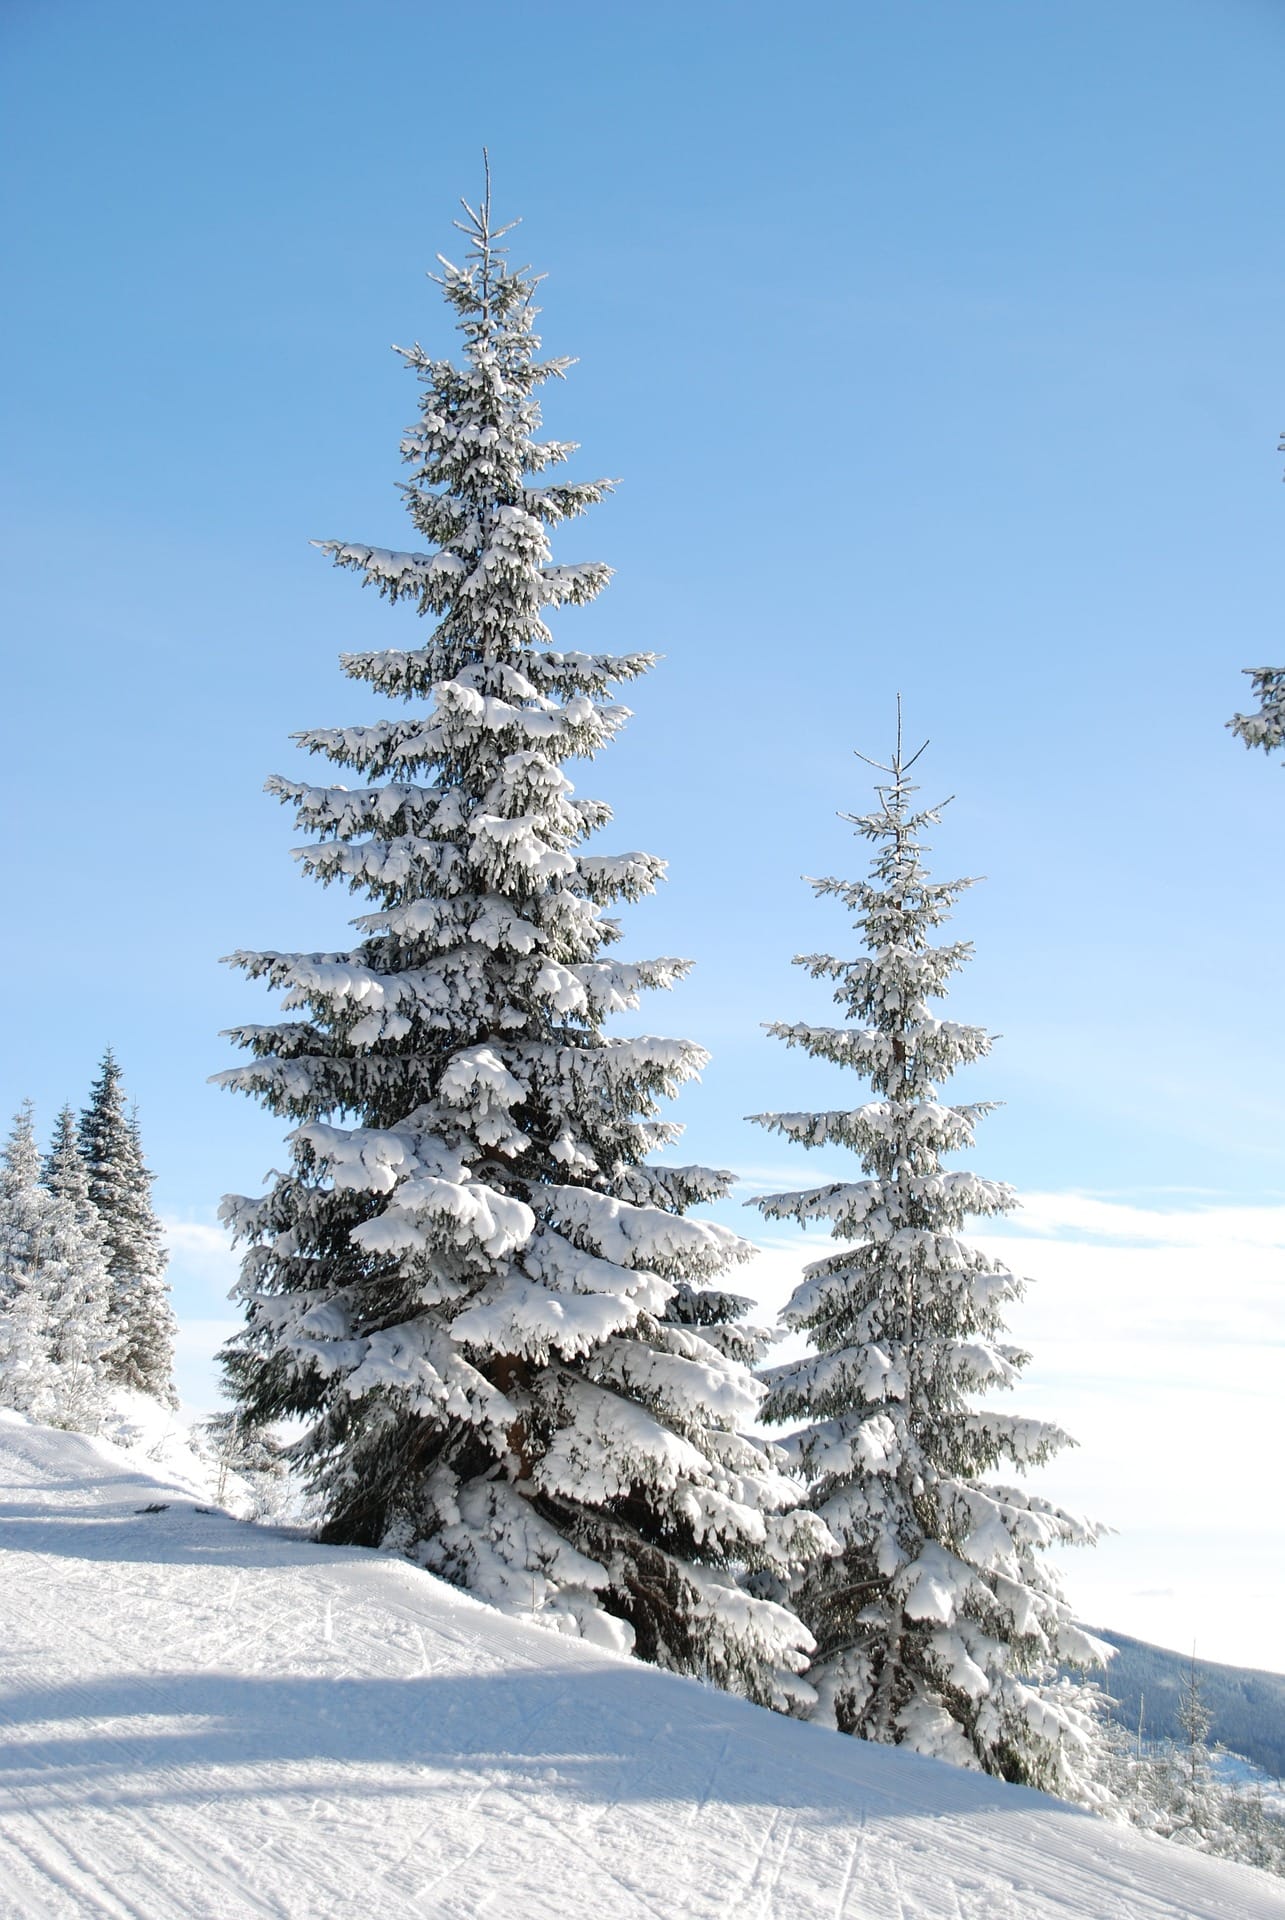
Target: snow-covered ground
[{"x": 206, "y": 1718}]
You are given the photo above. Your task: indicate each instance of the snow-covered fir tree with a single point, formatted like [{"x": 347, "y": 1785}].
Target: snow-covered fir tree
[
  {"x": 1266, "y": 727},
  {"x": 120, "y": 1187},
  {"x": 491, "y": 1308},
  {"x": 66, "y": 1174},
  {"x": 79, "y": 1329},
  {"x": 1196, "y": 1721},
  {"x": 26, "y": 1369},
  {"x": 52, "y": 1286},
  {"x": 939, "y": 1624}
]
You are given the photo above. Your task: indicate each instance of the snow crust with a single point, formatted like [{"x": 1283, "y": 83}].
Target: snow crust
[{"x": 204, "y": 1718}]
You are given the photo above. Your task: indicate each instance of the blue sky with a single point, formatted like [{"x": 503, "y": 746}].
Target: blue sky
[{"x": 937, "y": 350}]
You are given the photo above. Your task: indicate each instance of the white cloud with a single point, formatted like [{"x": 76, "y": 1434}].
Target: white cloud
[
  {"x": 1215, "y": 1227},
  {"x": 201, "y": 1251}
]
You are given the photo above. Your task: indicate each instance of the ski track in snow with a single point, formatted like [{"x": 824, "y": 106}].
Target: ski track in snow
[{"x": 204, "y": 1720}]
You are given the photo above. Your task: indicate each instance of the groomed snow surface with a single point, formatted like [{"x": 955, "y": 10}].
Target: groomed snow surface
[{"x": 200, "y": 1717}]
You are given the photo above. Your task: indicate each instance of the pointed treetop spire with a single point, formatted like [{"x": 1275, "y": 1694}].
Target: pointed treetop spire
[
  {"x": 21, "y": 1154},
  {"x": 478, "y": 229},
  {"x": 900, "y": 766}
]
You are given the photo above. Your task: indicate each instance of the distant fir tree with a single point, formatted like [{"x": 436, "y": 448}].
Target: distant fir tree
[
  {"x": 488, "y": 1305},
  {"x": 939, "y": 1624},
  {"x": 1196, "y": 1720},
  {"x": 120, "y": 1187},
  {"x": 26, "y": 1369},
  {"x": 66, "y": 1174},
  {"x": 80, "y": 1333},
  {"x": 52, "y": 1286}
]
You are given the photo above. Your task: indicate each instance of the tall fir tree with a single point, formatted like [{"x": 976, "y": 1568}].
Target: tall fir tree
[
  {"x": 491, "y": 1309},
  {"x": 52, "y": 1285},
  {"x": 120, "y": 1187},
  {"x": 939, "y": 1624}
]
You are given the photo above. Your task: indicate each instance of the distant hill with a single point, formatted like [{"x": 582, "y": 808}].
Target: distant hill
[{"x": 1248, "y": 1707}]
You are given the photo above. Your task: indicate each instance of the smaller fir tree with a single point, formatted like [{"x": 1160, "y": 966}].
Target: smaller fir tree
[
  {"x": 142, "y": 1324},
  {"x": 939, "y": 1626}
]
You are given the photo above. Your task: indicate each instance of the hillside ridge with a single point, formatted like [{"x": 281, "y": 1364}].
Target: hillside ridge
[{"x": 1246, "y": 1704}]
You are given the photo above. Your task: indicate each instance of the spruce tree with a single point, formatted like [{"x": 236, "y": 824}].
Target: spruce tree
[
  {"x": 66, "y": 1174},
  {"x": 79, "y": 1330},
  {"x": 488, "y": 1304},
  {"x": 1196, "y": 1721},
  {"x": 939, "y": 1623},
  {"x": 26, "y": 1368},
  {"x": 120, "y": 1186},
  {"x": 52, "y": 1284}
]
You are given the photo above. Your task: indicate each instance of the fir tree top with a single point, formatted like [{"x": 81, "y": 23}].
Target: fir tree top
[
  {"x": 473, "y": 454},
  {"x": 66, "y": 1174},
  {"x": 21, "y": 1154}
]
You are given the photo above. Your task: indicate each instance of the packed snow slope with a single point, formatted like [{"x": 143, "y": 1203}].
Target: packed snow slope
[{"x": 204, "y": 1718}]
